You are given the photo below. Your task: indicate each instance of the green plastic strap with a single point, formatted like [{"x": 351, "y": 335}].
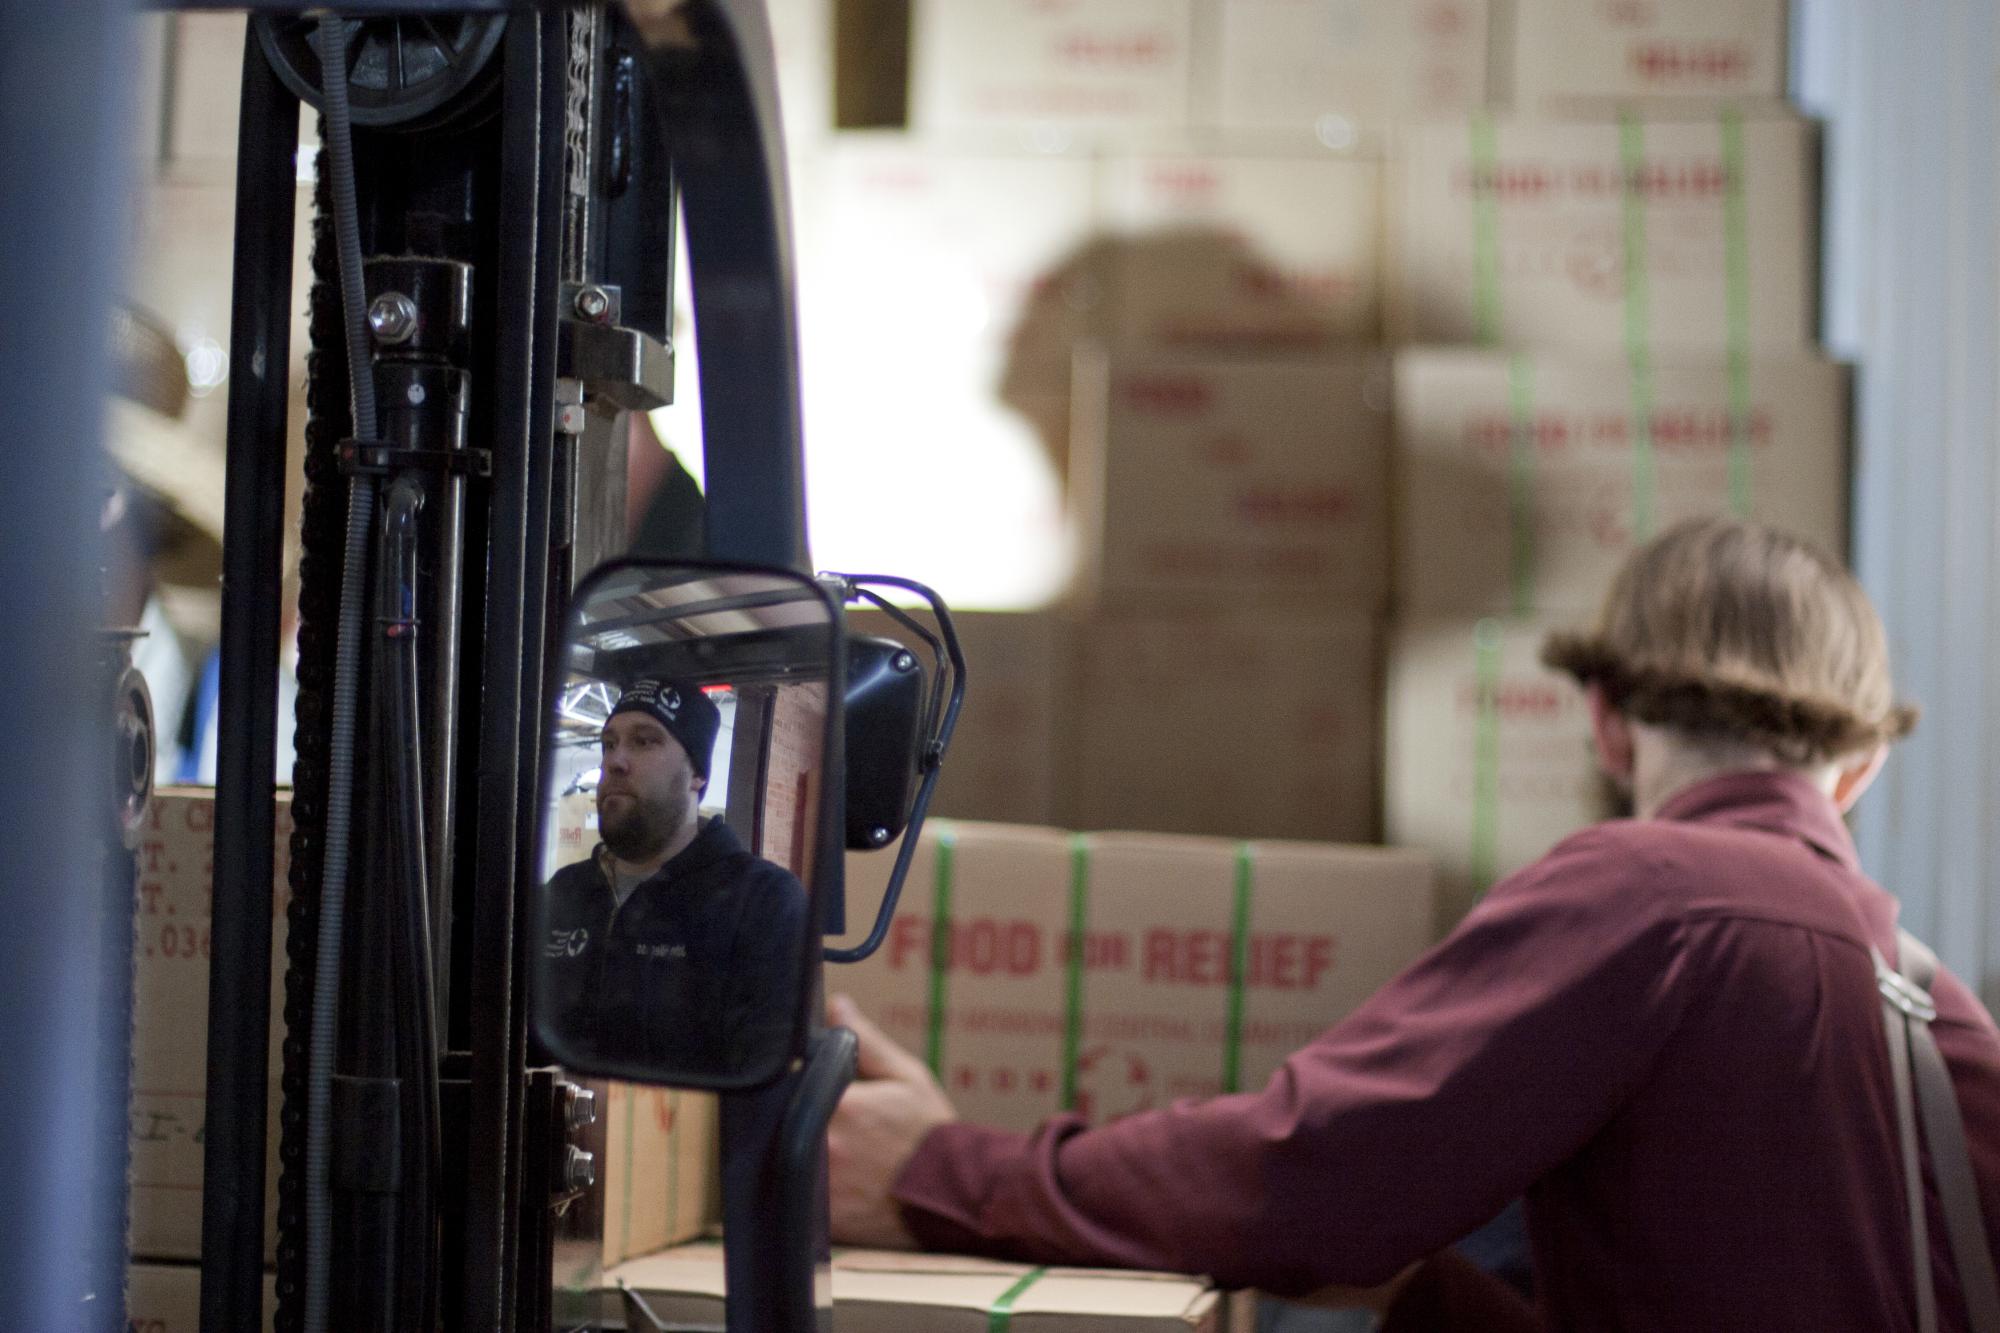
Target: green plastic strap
[
  {"x": 625, "y": 1169},
  {"x": 947, "y": 847},
  {"x": 1000, "y": 1314},
  {"x": 1079, "y": 916},
  {"x": 1521, "y": 481},
  {"x": 674, "y": 1112},
  {"x": 1485, "y": 858},
  {"x": 1239, "y": 972},
  {"x": 1736, "y": 277},
  {"x": 1638, "y": 321},
  {"x": 1485, "y": 230}
]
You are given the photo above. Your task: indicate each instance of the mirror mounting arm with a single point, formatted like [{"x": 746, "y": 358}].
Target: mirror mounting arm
[{"x": 941, "y": 720}]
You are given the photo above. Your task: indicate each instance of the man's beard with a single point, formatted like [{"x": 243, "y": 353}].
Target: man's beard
[{"x": 641, "y": 829}]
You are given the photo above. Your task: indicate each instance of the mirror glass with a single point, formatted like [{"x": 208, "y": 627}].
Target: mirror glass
[{"x": 685, "y": 820}]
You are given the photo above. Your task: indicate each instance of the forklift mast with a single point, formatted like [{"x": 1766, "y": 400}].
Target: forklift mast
[{"x": 504, "y": 180}]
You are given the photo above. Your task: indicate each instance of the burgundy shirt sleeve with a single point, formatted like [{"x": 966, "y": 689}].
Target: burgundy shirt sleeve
[{"x": 1484, "y": 1064}]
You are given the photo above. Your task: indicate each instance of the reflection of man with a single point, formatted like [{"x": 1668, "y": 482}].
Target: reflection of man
[{"x": 671, "y": 946}]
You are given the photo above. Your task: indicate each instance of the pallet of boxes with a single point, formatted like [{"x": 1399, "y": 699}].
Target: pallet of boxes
[
  {"x": 1154, "y": 272},
  {"x": 1603, "y": 300}
]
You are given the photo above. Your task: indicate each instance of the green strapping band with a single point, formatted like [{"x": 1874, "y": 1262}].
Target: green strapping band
[
  {"x": 625, "y": 1168},
  {"x": 1485, "y": 857},
  {"x": 1485, "y": 230},
  {"x": 947, "y": 845},
  {"x": 674, "y": 1159},
  {"x": 1000, "y": 1314},
  {"x": 1079, "y": 916},
  {"x": 1239, "y": 972},
  {"x": 1638, "y": 320},
  {"x": 1521, "y": 480},
  {"x": 1736, "y": 280}
]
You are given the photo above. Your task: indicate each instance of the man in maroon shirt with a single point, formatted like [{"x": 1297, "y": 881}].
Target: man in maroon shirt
[{"x": 1666, "y": 1034}]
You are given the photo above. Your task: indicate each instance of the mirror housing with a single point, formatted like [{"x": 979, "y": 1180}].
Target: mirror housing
[{"x": 885, "y": 707}]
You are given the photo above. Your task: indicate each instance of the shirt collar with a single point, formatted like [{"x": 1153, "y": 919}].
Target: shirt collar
[{"x": 1771, "y": 800}]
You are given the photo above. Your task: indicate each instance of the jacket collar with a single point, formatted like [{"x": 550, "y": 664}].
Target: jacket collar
[{"x": 1770, "y": 800}]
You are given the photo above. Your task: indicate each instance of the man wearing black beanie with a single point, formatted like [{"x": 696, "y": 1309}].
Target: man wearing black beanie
[{"x": 672, "y": 946}]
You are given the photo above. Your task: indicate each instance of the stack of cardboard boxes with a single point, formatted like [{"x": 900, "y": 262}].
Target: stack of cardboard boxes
[
  {"x": 1558, "y": 254},
  {"x": 1604, "y": 303}
]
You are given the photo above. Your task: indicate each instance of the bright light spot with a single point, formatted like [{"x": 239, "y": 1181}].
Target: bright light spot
[
  {"x": 1336, "y": 132},
  {"x": 207, "y": 365}
]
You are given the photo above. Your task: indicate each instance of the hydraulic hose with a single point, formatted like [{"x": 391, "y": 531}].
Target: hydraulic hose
[
  {"x": 339, "y": 147},
  {"x": 397, "y": 680}
]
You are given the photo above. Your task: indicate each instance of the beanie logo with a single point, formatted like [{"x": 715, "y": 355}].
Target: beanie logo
[{"x": 671, "y": 701}]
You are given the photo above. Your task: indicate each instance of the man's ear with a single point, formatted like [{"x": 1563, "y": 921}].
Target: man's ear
[
  {"x": 1856, "y": 776},
  {"x": 1611, "y": 732}
]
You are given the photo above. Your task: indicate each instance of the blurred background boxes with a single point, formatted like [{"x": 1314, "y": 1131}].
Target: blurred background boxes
[
  {"x": 1646, "y": 232},
  {"x": 1248, "y": 482},
  {"x": 1567, "y": 56},
  {"x": 1346, "y": 72},
  {"x": 1489, "y": 758},
  {"x": 1233, "y": 723},
  {"x": 1527, "y": 479},
  {"x": 1088, "y": 67}
]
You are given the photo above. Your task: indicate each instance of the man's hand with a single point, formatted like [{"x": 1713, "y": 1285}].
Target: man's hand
[{"x": 892, "y": 1104}]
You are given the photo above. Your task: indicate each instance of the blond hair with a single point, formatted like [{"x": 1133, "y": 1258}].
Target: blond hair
[{"x": 1723, "y": 630}]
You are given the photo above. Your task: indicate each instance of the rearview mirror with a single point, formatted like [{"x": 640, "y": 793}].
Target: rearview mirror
[{"x": 692, "y": 822}]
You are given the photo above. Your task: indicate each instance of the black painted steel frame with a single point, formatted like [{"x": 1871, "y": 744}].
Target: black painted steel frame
[{"x": 232, "y": 1278}]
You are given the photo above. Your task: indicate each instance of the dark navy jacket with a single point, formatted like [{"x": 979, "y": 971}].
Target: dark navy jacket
[{"x": 696, "y": 972}]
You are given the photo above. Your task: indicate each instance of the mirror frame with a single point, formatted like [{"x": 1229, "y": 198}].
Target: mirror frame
[{"x": 825, "y": 886}]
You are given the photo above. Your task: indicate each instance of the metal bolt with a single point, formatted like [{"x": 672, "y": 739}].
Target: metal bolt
[
  {"x": 877, "y": 836},
  {"x": 580, "y": 1107},
  {"x": 392, "y": 318},
  {"x": 903, "y": 661},
  {"x": 579, "y": 1169},
  {"x": 569, "y": 418},
  {"x": 593, "y": 302},
  {"x": 415, "y": 393}
]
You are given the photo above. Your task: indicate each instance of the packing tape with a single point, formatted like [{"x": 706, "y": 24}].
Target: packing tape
[
  {"x": 1736, "y": 289},
  {"x": 1521, "y": 481},
  {"x": 1000, "y": 1314},
  {"x": 1485, "y": 852},
  {"x": 947, "y": 846},
  {"x": 1638, "y": 319},
  {"x": 1239, "y": 971},
  {"x": 1485, "y": 230},
  {"x": 1079, "y": 916}
]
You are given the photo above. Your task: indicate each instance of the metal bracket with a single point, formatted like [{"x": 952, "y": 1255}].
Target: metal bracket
[
  {"x": 625, "y": 366},
  {"x": 376, "y": 458}
]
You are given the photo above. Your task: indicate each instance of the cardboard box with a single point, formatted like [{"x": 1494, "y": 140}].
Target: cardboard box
[
  {"x": 1346, "y": 71},
  {"x": 1568, "y": 56},
  {"x": 1227, "y": 251},
  {"x": 166, "y": 1298},
  {"x": 1517, "y": 233},
  {"x": 1003, "y": 761},
  {"x": 170, "y": 1022},
  {"x": 1089, "y": 67},
  {"x": 1259, "y": 725},
  {"x": 1524, "y": 482},
  {"x": 878, "y": 1291},
  {"x": 1489, "y": 753},
  {"x": 1092, "y": 972},
  {"x": 662, "y": 1150},
  {"x": 1244, "y": 483}
]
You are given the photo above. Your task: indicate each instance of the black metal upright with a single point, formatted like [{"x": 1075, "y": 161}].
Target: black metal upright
[
  {"x": 239, "y": 988},
  {"x": 526, "y": 282}
]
